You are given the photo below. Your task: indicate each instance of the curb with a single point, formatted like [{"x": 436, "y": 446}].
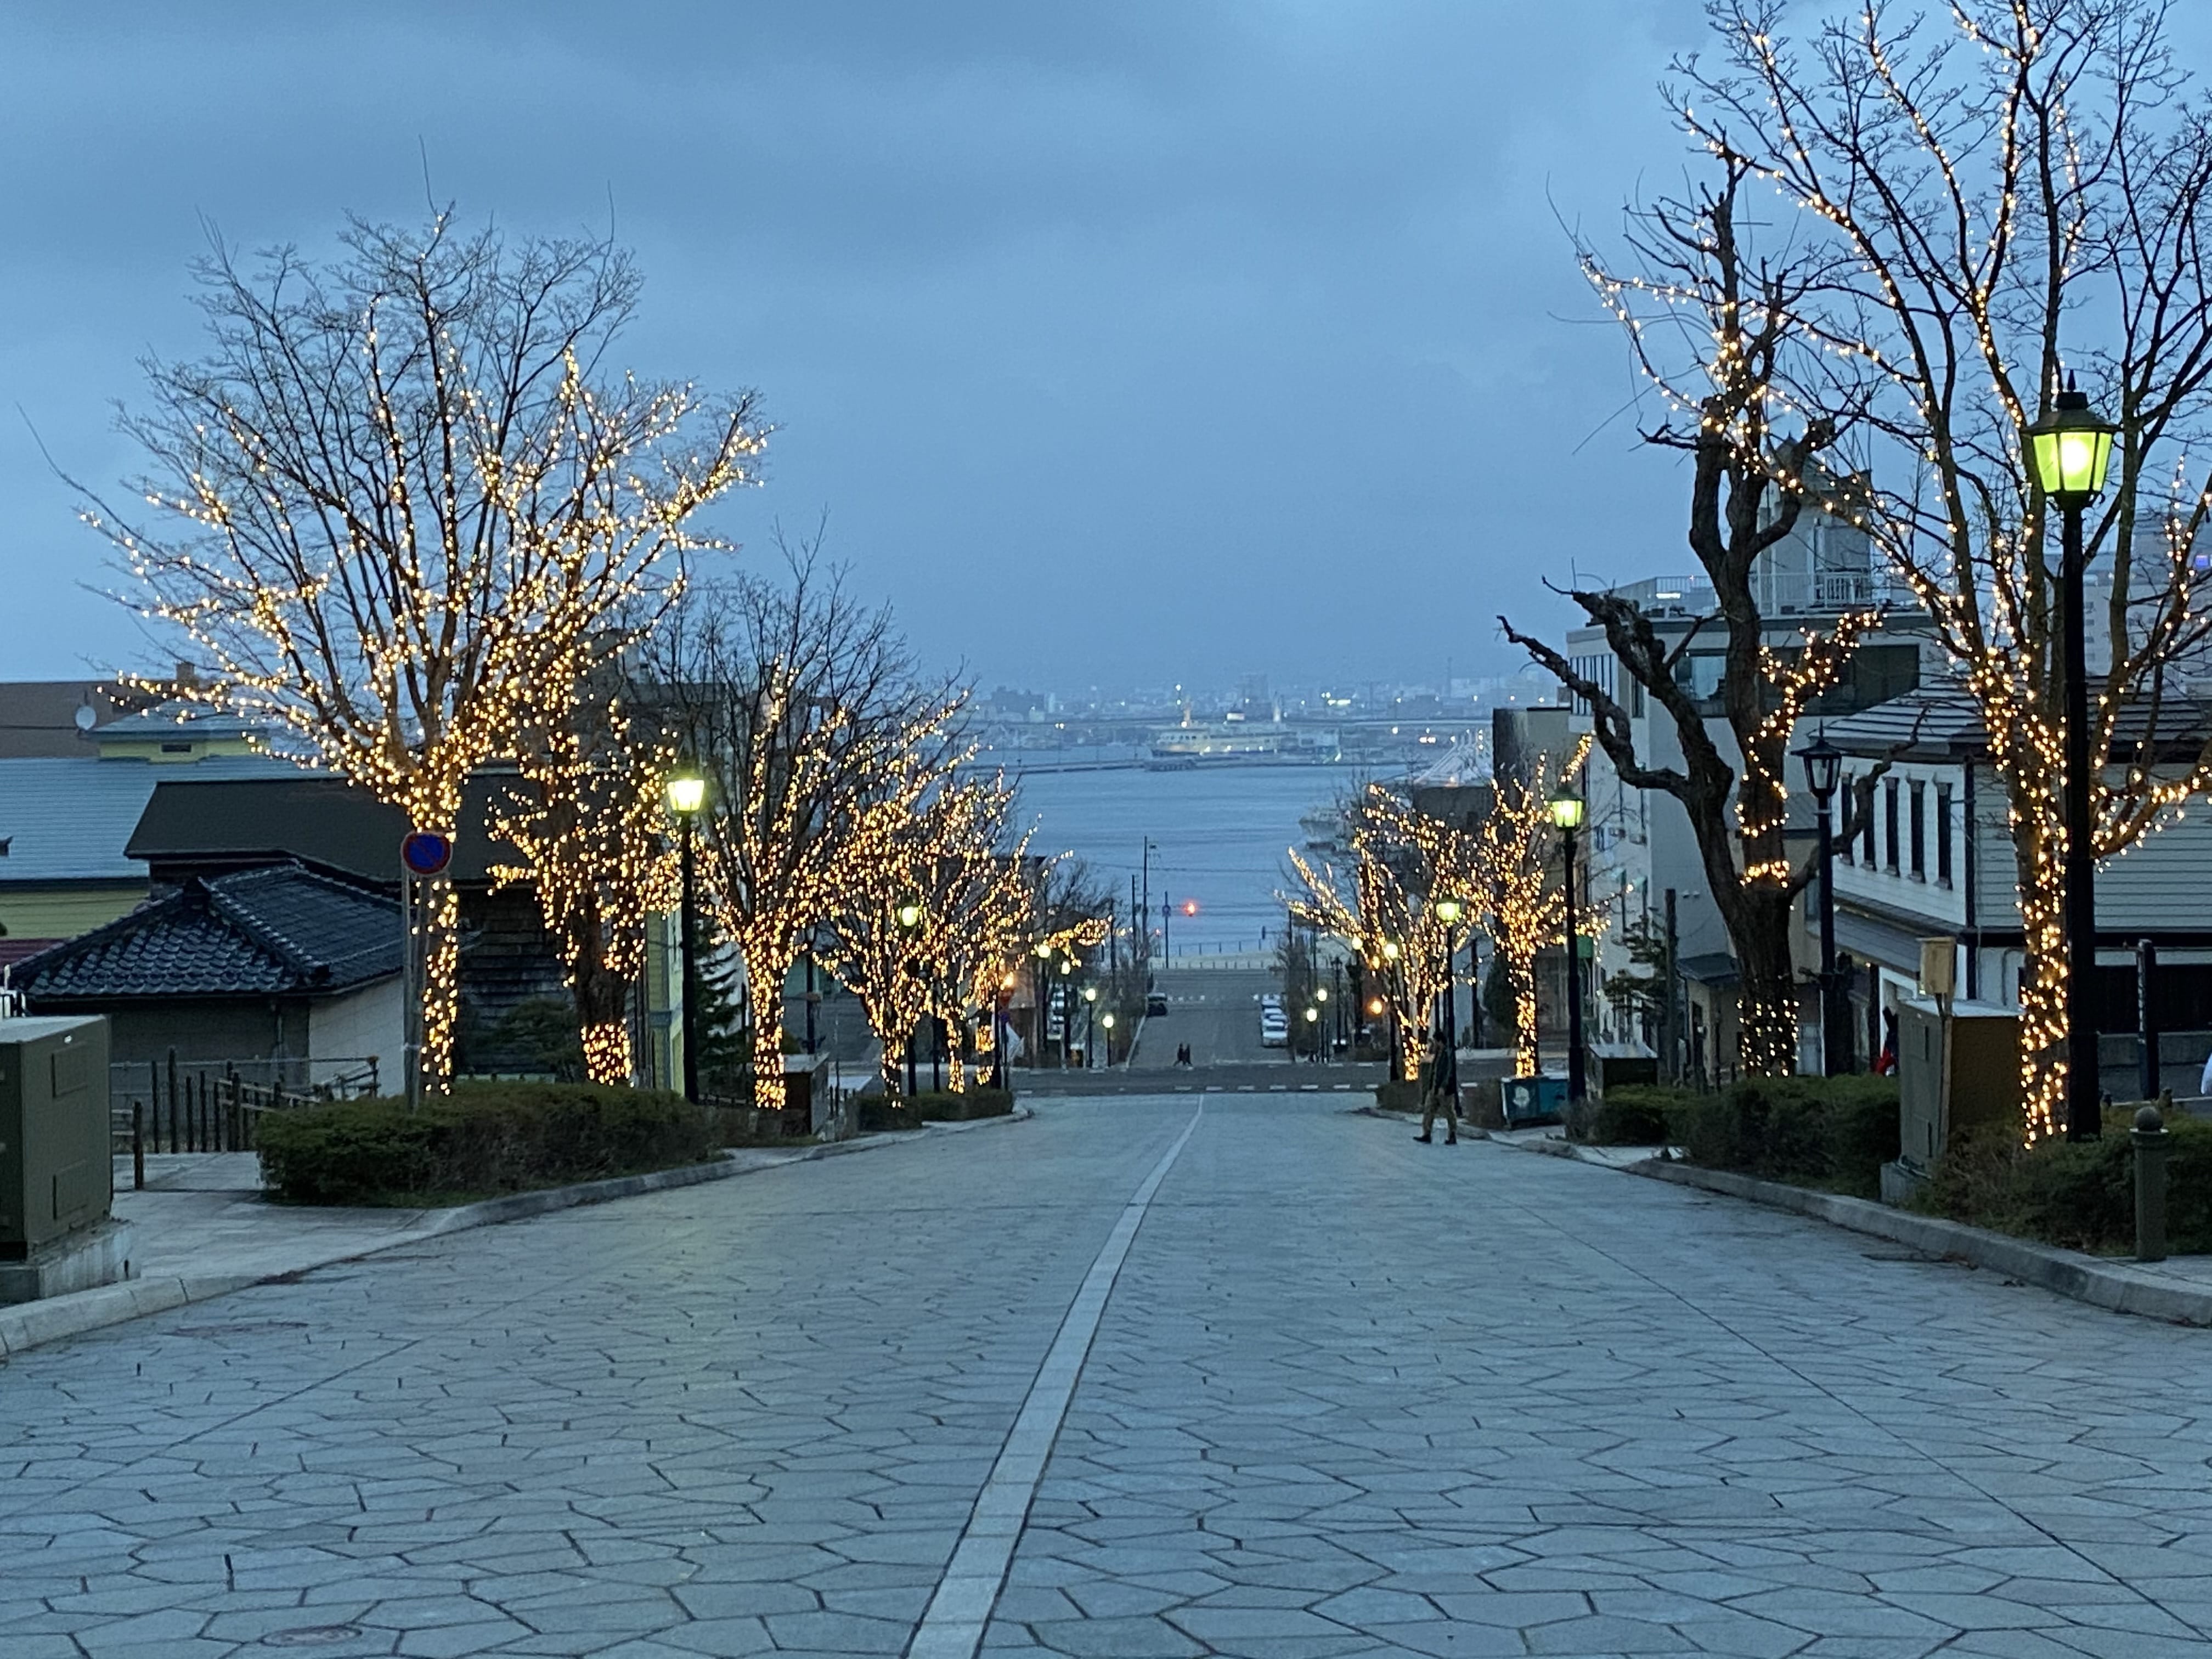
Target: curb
[
  {"x": 33, "y": 1324},
  {"x": 2116, "y": 1287}
]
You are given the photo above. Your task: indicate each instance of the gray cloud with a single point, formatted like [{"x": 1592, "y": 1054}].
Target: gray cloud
[{"x": 1118, "y": 340}]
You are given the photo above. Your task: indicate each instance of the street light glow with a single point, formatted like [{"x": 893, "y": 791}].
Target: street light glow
[{"x": 687, "y": 792}]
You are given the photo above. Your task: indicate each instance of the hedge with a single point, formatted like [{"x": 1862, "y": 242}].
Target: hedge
[
  {"x": 2080, "y": 1195},
  {"x": 934, "y": 1106},
  {"x": 1832, "y": 1132},
  {"x": 482, "y": 1139}
]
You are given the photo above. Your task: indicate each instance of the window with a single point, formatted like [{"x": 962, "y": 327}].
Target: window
[
  {"x": 1889, "y": 821},
  {"x": 1866, "y": 835},
  {"x": 1920, "y": 830},
  {"x": 1943, "y": 835},
  {"x": 1848, "y": 850}
]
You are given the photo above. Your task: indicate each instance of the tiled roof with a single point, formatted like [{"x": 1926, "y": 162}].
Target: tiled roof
[
  {"x": 1940, "y": 722},
  {"x": 69, "y": 819},
  {"x": 283, "y": 930}
]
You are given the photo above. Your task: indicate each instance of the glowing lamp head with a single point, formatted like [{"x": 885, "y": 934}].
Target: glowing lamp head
[
  {"x": 910, "y": 915},
  {"x": 1375, "y": 1006},
  {"x": 1389, "y": 950},
  {"x": 1091, "y": 993},
  {"x": 2070, "y": 448},
  {"x": 1567, "y": 810},
  {"x": 1107, "y": 1020},
  {"x": 1007, "y": 982},
  {"x": 1190, "y": 906},
  {"x": 1043, "y": 950},
  {"x": 1448, "y": 911},
  {"x": 1067, "y": 965},
  {"x": 1320, "y": 994},
  {"x": 1822, "y": 763},
  {"x": 686, "y": 792},
  {"x": 1312, "y": 1014}
]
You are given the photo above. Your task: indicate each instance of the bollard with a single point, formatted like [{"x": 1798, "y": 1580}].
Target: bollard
[{"x": 2152, "y": 1141}]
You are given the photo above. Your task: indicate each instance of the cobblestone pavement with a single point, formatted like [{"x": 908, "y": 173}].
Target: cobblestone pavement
[{"x": 1349, "y": 1396}]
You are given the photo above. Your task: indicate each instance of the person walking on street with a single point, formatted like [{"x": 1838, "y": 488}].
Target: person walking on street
[{"x": 1436, "y": 1093}]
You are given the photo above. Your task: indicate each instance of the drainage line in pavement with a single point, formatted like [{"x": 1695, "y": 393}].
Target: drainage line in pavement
[{"x": 952, "y": 1627}]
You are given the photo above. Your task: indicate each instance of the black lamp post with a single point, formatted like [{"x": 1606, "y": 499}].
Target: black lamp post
[
  {"x": 1567, "y": 814},
  {"x": 1090, "y": 1027},
  {"x": 687, "y": 793},
  {"x": 909, "y": 916},
  {"x": 1823, "y": 762},
  {"x": 1397, "y": 1001},
  {"x": 2071, "y": 447},
  {"x": 1448, "y": 911}
]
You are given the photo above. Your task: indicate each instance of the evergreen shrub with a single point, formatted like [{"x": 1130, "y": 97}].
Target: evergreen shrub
[{"x": 482, "y": 1140}]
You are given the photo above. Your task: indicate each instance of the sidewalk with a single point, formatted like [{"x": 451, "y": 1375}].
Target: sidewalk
[
  {"x": 2179, "y": 1289},
  {"x": 202, "y": 1229}
]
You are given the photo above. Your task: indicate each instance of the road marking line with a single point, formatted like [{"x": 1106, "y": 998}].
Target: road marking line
[{"x": 952, "y": 1627}]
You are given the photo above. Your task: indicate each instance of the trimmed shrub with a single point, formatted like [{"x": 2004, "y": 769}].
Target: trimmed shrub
[
  {"x": 878, "y": 1113},
  {"x": 1637, "y": 1115},
  {"x": 1398, "y": 1096},
  {"x": 481, "y": 1140},
  {"x": 2080, "y": 1195},
  {"x": 1831, "y": 1133}
]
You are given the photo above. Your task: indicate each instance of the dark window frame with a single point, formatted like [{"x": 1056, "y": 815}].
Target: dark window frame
[
  {"x": 1889, "y": 823},
  {"x": 1916, "y": 825},
  {"x": 1866, "y": 833},
  {"x": 1943, "y": 835}
]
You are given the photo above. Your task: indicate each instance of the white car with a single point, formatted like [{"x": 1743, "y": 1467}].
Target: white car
[{"x": 1274, "y": 1030}]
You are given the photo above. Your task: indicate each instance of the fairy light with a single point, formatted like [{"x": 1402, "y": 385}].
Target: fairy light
[{"x": 390, "y": 537}]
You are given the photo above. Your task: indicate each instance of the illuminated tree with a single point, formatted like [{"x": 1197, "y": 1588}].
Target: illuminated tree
[
  {"x": 2014, "y": 190},
  {"x": 592, "y": 827},
  {"x": 819, "y": 744},
  {"x": 1383, "y": 907},
  {"x": 1711, "y": 323},
  {"x": 399, "y": 498},
  {"x": 1514, "y": 860},
  {"x": 925, "y": 930}
]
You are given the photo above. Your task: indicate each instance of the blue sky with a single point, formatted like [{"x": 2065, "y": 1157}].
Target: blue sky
[{"x": 1120, "y": 341}]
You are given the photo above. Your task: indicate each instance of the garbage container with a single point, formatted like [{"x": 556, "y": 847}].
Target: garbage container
[{"x": 1530, "y": 1100}]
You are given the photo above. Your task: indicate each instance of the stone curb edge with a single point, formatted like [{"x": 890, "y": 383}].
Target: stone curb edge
[
  {"x": 2118, "y": 1288},
  {"x": 33, "y": 1324}
]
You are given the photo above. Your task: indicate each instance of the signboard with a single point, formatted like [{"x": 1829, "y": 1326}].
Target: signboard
[{"x": 424, "y": 854}]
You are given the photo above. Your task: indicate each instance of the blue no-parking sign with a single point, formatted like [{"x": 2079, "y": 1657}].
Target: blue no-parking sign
[{"x": 425, "y": 853}]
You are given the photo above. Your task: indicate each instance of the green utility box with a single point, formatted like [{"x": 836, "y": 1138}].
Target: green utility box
[{"x": 55, "y": 1177}]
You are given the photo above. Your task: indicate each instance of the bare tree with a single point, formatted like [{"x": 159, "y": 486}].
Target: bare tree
[
  {"x": 2009, "y": 189},
  {"x": 398, "y": 495},
  {"x": 1713, "y": 323},
  {"x": 802, "y": 706}
]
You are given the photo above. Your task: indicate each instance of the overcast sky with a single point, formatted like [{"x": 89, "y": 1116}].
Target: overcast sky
[{"x": 1120, "y": 340}]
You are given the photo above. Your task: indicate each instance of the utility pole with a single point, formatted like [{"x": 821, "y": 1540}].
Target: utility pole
[
  {"x": 1670, "y": 1035},
  {"x": 1167, "y": 910}
]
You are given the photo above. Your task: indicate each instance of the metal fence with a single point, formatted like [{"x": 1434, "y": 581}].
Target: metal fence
[{"x": 178, "y": 1105}]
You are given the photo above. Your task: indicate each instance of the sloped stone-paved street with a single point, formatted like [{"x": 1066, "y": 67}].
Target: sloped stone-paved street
[{"x": 1349, "y": 1395}]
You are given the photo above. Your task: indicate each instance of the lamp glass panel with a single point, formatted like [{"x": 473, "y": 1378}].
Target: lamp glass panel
[
  {"x": 686, "y": 793},
  {"x": 1567, "y": 812}
]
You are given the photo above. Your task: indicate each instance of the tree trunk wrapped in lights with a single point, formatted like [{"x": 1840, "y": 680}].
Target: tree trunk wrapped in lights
[
  {"x": 819, "y": 743},
  {"x": 1712, "y": 326},
  {"x": 392, "y": 504},
  {"x": 2010, "y": 193},
  {"x": 592, "y": 831}
]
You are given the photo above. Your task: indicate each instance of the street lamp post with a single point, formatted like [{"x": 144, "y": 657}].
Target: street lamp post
[
  {"x": 1822, "y": 761},
  {"x": 2071, "y": 446},
  {"x": 1320, "y": 1035},
  {"x": 687, "y": 793},
  {"x": 1090, "y": 1027},
  {"x": 1107, "y": 1020},
  {"x": 909, "y": 916},
  {"x": 1397, "y": 1001},
  {"x": 1448, "y": 911},
  {"x": 1567, "y": 814}
]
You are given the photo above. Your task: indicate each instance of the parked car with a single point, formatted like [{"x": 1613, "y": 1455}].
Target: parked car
[
  {"x": 1274, "y": 1030},
  {"x": 1155, "y": 1002}
]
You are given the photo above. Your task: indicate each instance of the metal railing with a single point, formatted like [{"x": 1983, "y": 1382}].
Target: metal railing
[{"x": 177, "y": 1105}]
